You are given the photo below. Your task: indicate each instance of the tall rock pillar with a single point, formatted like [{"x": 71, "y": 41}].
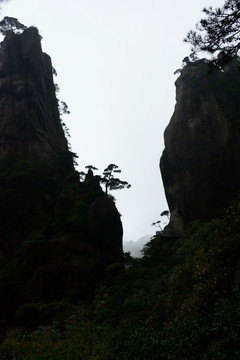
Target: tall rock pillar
[{"x": 200, "y": 164}]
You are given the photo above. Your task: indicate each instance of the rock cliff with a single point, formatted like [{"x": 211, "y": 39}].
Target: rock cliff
[
  {"x": 57, "y": 234},
  {"x": 29, "y": 119},
  {"x": 200, "y": 164}
]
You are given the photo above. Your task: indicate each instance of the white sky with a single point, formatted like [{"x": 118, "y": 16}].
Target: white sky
[{"x": 115, "y": 61}]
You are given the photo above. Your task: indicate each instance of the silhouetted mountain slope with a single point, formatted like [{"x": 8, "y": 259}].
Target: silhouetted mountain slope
[{"x": 57, "y": 234}]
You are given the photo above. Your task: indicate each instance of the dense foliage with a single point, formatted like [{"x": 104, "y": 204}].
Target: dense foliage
[
  {"x": 179, "y": 302},
  {"x": 47, "y": 206}
]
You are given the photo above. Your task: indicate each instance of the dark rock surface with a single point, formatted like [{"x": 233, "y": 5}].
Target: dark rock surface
[
  {"x": 200, "y": 165},
  {"x": 29, "y": 118},
  {"x": 105, "y": 226}
]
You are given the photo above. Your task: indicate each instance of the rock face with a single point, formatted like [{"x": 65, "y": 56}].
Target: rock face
[
  {"x": 57, "y": 234},
  {"x": 105, "y": 226},
  {"x": 200, "y": 165},
  {"x": 29, "y": 119}
]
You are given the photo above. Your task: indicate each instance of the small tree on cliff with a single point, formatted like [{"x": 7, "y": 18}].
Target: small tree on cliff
[
  {"x": 157, "y": 223},
  {"x": 11, "y": 24},
  {"x": 82, "y": 174},
  {"x": 219, "y": 31},
  {"x": 109, "y": 180},
  {"x": 90, "y": 167}
]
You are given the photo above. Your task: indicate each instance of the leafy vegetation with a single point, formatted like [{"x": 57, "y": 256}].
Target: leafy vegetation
[
  {"x": 179, "y": 301},
  {"x": 47, "y": 206},
  {"x": 219, "y": 31}
]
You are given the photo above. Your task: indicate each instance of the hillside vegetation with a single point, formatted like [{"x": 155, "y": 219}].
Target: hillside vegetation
[{"x": 179, "y": 301}]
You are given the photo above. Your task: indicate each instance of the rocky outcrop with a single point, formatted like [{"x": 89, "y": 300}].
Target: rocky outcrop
[
  {"x": 29, "y": 118},
  {"x": 57, "y": 234},
  {"x": 106, "y": 227},
  {"x": 200, "y": 164}
]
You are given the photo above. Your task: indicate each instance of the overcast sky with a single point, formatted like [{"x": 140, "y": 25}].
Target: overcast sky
[{"x": 115, "y": 61}]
